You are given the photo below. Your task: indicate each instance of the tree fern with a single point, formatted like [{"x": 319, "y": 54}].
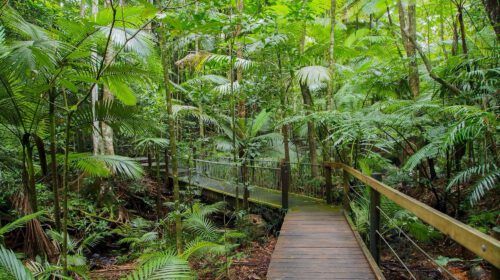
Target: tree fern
[
  {"x": 488, "y": 174},
  {"x": 428, "y": 151}
]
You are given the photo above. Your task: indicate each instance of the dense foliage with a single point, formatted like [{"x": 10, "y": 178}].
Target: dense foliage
[{"x": 400, "y": 87}]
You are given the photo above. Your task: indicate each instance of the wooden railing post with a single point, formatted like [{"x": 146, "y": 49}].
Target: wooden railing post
[
  {"x": 285, "y": 183},
  {"x": 375, "y": 222},
  {"x": 328, "y": 184},
  {"x": 345, "y": 186}
]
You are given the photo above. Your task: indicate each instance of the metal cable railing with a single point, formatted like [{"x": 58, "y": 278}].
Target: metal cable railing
[
  {"x": 355, "y": 196},
  {"x": 259, "y": 180},
  {"x": 266, "y": 174},
  {"x": 482, "y": 245}
]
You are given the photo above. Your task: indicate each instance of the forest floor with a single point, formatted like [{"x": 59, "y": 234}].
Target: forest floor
[
  {"x": 255, "y": 265},
  {"x": 251, "y": 262}
]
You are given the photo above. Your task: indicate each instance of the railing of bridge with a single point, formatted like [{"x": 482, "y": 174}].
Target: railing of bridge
[
  {"x": 374, "y": 195},
  {"x": 367, "y": 190},
  {"x": 266, "y": 174}
]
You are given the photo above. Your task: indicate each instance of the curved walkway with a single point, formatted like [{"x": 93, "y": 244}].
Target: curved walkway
[{"x": 315, "y": 241}]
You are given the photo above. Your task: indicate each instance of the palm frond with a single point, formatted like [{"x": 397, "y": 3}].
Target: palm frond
[
  {"x": 13, "y": 266},
  {"x": 106, "y": 165},
  {"x": 313, "y": 75},
  {"x": 257, "y": 123},
  {"x": 20, "y": 222},
  {"x": 167, "y": 266}
]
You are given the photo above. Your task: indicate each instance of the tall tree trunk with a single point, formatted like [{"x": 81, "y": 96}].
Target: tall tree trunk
[
  {"x": 412, "y": 54},
  {"x": 308, "y": 105},
  {"x": 53, "y": 158},
  {"x": 331, "y": 55},
  {"x": 283, "y": 101},
  {"x": 64, "y": 252},
  {"x": 96, "y": 133},
  {"x": 492, "y": 8},
  {"x": 158, "y": 186},
  {"x": 441, "y": 31},
  {"x": 454, "y": 44},
  {"x": 168, "y": 186},
  {"x": 463, "y": 36},
  {"x": 107, "y": 131},
  {"x": 172, "y": 137},
  {"x": 311, "y": 133},
  {"x": 107, "y": 97},
  {"x": 30, "y": 173},
  {"x": 408, "y": 28},
  {"x": 241, "y": 106},
  {"x": 302, "y": 43}
]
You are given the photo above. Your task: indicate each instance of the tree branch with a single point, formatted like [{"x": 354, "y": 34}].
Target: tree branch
[{"x": 428, "y": 66}]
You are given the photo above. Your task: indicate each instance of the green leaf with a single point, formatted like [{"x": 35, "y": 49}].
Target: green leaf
[
  {"x": 121, "y": 91},
  {"x": 14, "y": 267},
  {"x": 20, "y": 222}
]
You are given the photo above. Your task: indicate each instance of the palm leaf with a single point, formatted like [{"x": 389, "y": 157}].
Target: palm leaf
[
  {"x": 313, "y": 75},
  {"x": 106, "y": 165},
  {"x": 15, "y": 268},
  {"x": 19, "y": 222},
  {"x": 166, "y": 266}
]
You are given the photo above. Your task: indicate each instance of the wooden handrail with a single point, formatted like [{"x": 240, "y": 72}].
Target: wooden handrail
[{"x": 477, "y": 242}]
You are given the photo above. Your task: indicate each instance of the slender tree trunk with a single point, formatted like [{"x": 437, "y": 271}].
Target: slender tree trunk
[
  {"x": 241, "y": 106},
  {"x": 408, "y": 28},
  {"x": 200, "y": 123},
  {"x": 412, "y": 54},
  {"x": 302, "y": 43},
  {"x": 311, "y": 131},
  {"x": 492, "y": 8},
  {"x": 460, "y": 18},
  {"x": 107, "y": 97},
  {"x": 331, "y": 55},
  {"x": 107, "y": 131},
  {"x": 308, "y": 105},
  {"x": 454, "y": 45},
  {"x": 29, "y": 171},
  {"x": 64, "y": 252},
  {"x": 441, "y": 31},
  {"x": 96, "y": 134},
  {"x": 53, "y": 158},
  {"x": 283, "y": 101},
  {"x": 167, "y": 171},
  {"x": 172, "y": 137},
  {"x": 158, "y": 187}
]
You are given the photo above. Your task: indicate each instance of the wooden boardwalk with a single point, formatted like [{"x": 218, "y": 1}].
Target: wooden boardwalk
[
  {"x": 315, "y": 241},
  {"x": 318, "y": 244}
]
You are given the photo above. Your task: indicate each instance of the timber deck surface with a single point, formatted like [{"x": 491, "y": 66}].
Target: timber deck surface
[
  {"x": 317, "y": 244},
  {"x": 315, "y": 241}
]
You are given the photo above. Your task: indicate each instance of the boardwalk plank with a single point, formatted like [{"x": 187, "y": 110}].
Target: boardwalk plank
[
  {"x": 317, "y": 245},
  {"x": 315, "y": 241}
]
